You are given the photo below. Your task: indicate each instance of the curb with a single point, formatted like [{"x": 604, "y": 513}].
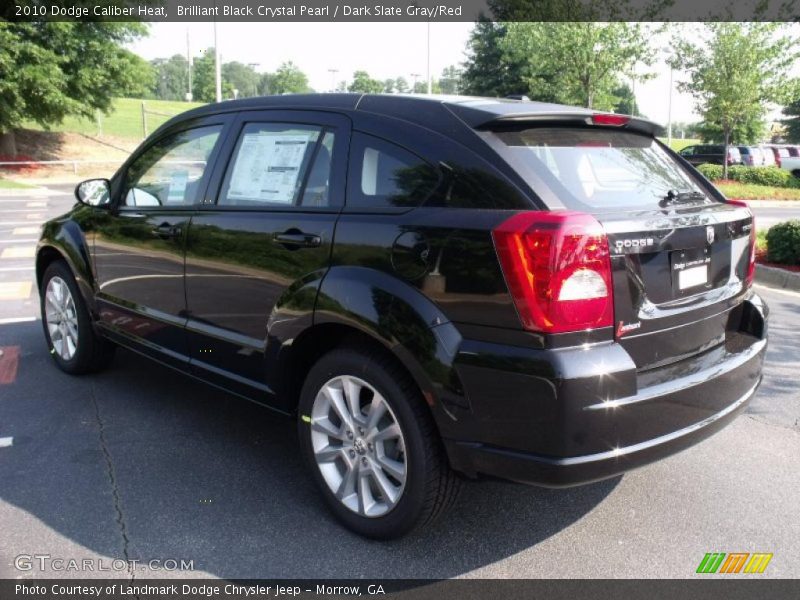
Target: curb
[{"x": 779, "y": 278}]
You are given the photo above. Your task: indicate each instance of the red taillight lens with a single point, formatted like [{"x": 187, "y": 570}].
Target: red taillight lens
[
  {"x": 558, "y": 270},
  {"x": 610, "y": 119},
  {"x": 751, "y": 266}
]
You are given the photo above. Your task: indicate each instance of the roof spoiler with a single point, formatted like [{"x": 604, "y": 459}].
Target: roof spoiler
[{"x": 598, "y": 119}]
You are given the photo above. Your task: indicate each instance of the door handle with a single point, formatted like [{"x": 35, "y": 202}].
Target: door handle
[
  {"x": 167, "y": 231},
  {"x": 297, "y": 239}
]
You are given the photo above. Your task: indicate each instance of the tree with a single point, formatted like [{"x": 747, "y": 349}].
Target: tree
[
  {"x": 625, "y": 100},
  {"x": 489, "y": 70},
  {"x": 577, "y": 63},
  {"x": 450, "y": 81},
  {"x": 289, "y": 79},
  {"x": 401, "y": 85},
  {"x": 792, "y": 124},
  {"x": 735, "y": 73},
  {"x": 241, "y": 77},
  {"x": 51, "y": 70},
  {"x": 172, "y": 77},
  {"x": 389, "y": 86},
  {"x": 204, "y": 86},
  {"x": 364, "y": 84}
]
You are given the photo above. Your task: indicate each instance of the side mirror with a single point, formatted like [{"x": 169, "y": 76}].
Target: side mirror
[{"x": 94, "y": 192}]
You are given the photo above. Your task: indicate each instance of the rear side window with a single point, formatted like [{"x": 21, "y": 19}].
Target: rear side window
[
  {"x": 383, "y": 175},
  {"x": 269, "y": 166},
  {"x": 595, "y": 168}
]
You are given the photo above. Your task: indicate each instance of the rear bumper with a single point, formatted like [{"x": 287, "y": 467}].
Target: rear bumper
[
  {"x": 563, "y": 472},
  {"x": 575, "y": 423}
]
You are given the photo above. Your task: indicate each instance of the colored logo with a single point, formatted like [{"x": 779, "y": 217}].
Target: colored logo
[{"x": 734, "y": 562}]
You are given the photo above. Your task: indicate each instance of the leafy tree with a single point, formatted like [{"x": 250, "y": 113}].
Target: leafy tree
[
  {"x": 450, "y": 81},
  {"x": 241, "y": 77},
  {"x": 489, "y": 69},
  {"x": 577, "y": 63},
  {"x": 141, "y": 80},
  {"x": 51, "y": 70},
  {"x": 171, "y": 77},
  {"x": 792, "y": 124},
  {"x": 735, "y": 73},
  {"x": 389, "y": 86},
  {"x": 364, "y": 84},
  {"x": 204, "y": 87},
  {"x": 401, "y": 85},
  {"x": 289, "y": 79},
  {"x": 625, "y": 103}
]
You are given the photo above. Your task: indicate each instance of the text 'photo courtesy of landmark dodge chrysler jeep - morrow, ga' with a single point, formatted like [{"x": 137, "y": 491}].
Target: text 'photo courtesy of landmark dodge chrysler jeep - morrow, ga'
[{"x": 435, "y": 288}]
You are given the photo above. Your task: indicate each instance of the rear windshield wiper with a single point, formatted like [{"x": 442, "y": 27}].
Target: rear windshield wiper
[{"x": 674, "y": 197}]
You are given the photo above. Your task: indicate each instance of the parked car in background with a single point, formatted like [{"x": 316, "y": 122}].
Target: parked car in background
[
  {"x": 768, "y": 156},
  {"x": 794, "y": 151},
  {"x": 779, "y": 153},
  {"x": 791, "y": 164},
  {"x": 427, "y": 286},
  {"x": 711, "y": 154},
  {"x": 752, "y": 156}
]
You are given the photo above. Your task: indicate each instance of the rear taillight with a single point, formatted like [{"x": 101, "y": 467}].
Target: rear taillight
[
  {"x": 751, "y": 265},
  {"x": 558, "y": 270}
]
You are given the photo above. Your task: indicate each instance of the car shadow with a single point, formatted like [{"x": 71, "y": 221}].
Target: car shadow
[{"x": 142, "y": 462}]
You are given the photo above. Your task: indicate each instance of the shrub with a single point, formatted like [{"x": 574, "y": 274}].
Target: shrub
[
  {"x": 712, "y": 172},
  {"x": 771, "y": 176},
  {"x": 783, "y": 243}
]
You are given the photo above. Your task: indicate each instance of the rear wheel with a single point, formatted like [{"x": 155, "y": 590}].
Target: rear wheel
[
  {"x": 796, "y": 173},
  {"x": 74, "y": 345},
  {"x": 372, "y": 445}
]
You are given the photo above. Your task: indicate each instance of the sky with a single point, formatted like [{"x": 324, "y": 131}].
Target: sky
[{"x": 384, "y": 50}]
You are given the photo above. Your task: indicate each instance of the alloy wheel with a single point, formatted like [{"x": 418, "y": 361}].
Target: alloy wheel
[
  {"x": 62, "y": 318},
  {"x": 358, "y": 446}
]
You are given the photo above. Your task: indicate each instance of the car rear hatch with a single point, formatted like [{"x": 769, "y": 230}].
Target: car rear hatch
[{"x": 681, "y": 257}]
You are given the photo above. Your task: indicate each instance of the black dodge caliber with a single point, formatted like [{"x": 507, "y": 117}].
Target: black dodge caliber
[{"x": 430, "y": 286}]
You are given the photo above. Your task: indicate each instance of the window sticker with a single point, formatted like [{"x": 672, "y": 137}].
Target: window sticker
[
  {"x": 268, "y": 166},
  {"x": 176, "y": 192}
]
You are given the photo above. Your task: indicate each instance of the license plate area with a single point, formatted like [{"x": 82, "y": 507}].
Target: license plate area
[{"x": 691, "y": 270}]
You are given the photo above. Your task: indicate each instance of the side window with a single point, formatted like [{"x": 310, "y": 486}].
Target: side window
[
  {"x": 270, "y": 163},
  {"x": 385, "y": 175},
  {"x": 688, "y": 151},
  {"x": 169, "y": 172}
]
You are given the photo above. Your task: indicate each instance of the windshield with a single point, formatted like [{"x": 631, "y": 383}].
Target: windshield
[{"x": 596, "y": 168}]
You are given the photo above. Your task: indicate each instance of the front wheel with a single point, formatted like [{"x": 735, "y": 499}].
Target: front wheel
[
  {"x": 74, "y": 345},
  {"x": 372, "y": 446}
]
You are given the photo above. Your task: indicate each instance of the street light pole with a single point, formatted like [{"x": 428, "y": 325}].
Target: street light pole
[
  {"x": 333, "y": 73},
  {"x": 217, "y": 66},
  {"x": 189, "y": 66},
  {"x": 430, "y": 83},
  {"x": 254, "y": 66},
  {"x": 669, "y": 110},
  {"x": 414, "y": 86}
]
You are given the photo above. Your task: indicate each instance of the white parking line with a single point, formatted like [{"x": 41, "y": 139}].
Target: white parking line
[
  {"x": 5, "y": 269},
  {"x": 17, "y": 240},
  {"x": 5, "y": 442},
  {"x": 26, "y": 230},
  {"x": 13, "y": 320},
  {"x": 791, "y": 293}
]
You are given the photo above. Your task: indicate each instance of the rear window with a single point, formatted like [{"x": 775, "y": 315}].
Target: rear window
[{"x": 597, "y": 168}]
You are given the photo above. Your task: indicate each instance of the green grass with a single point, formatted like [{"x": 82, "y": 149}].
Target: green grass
[
  {"x": 749, "y": 191},
  {"x": 13, "y": 185},
  {"x": 679, "y": 145},
  {"x": 124, "y": 120}
]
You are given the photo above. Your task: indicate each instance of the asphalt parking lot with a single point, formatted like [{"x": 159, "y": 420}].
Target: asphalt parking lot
[{"x": 142, "y": 463}]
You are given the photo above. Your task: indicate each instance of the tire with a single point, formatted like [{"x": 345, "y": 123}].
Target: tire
[
  {"x": 796, "y": 173},
  {"x": 357, "y": 465},
  {"x": 73, "y": 343}
]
